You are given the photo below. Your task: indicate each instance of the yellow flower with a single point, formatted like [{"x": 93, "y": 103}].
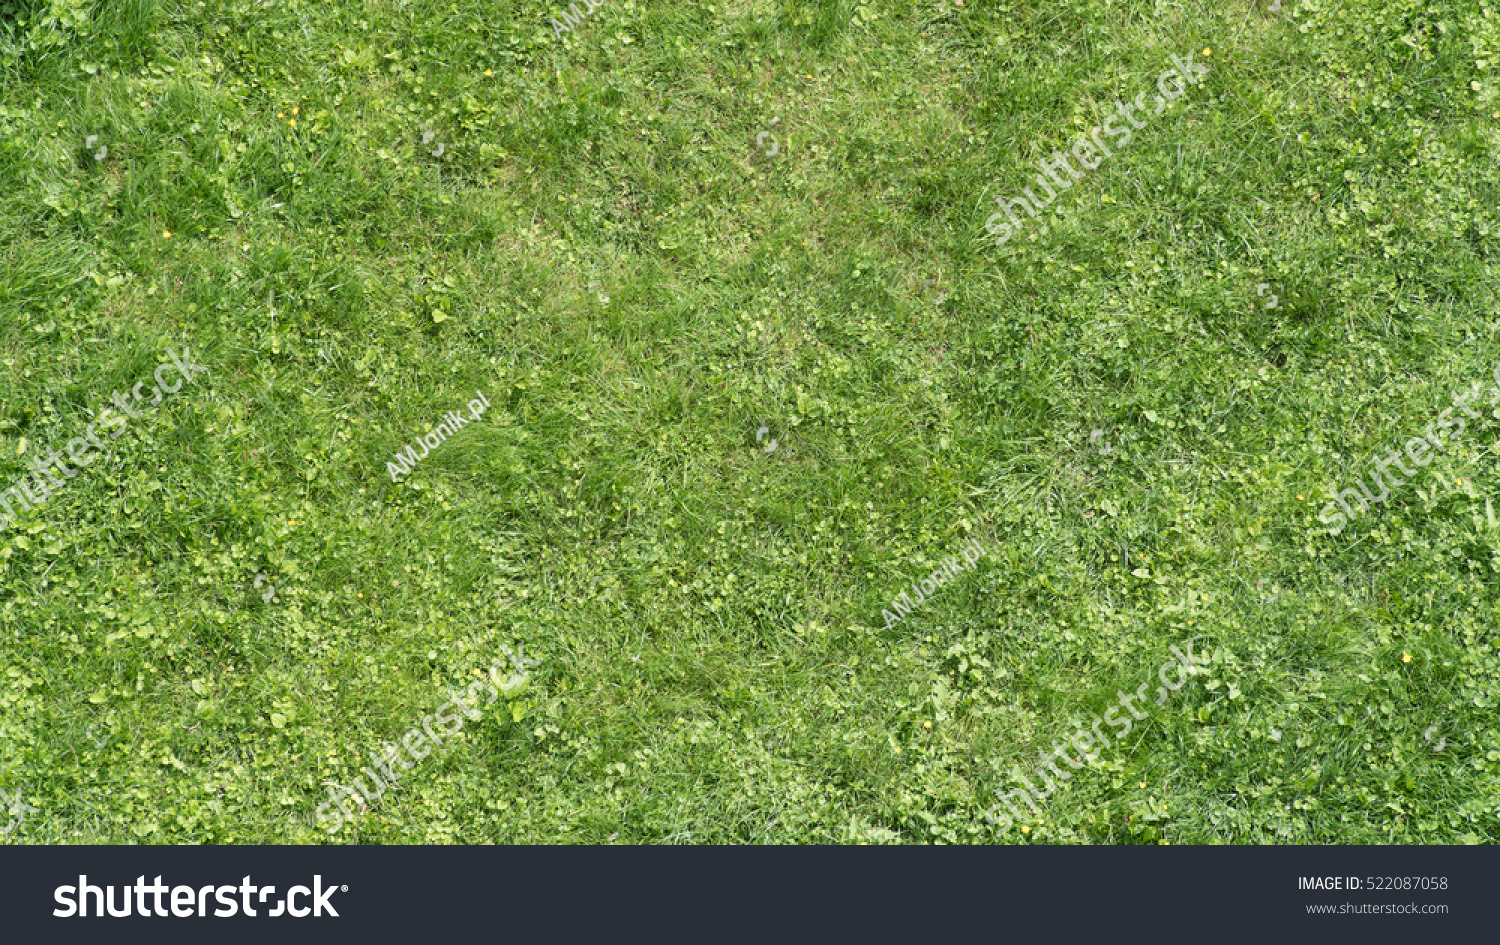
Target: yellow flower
[
  {"x": 489, "y": 72},
  {"x": 293, "y": 122},
  {"x": 296, "y": 110},
  {"x": 1025, "y": 828},
  {"x": 927, "y": 725},
  {"x": 166, "y": 234},
  {"x": 1299, "y": 498},
  {"x": 1406, "y": 657},
  {"x": 1143, "y": 784},
  {"x": 278, "y": 115},
  {"x": 1208, "y": 52},
  {"x": 898, "y": 749}
]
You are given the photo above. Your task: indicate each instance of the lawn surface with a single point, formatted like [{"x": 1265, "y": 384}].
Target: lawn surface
[{"x": 755, "y": 366}]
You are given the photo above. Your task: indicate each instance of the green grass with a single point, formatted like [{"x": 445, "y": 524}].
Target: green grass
[{"x": 603, "y": 251}]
